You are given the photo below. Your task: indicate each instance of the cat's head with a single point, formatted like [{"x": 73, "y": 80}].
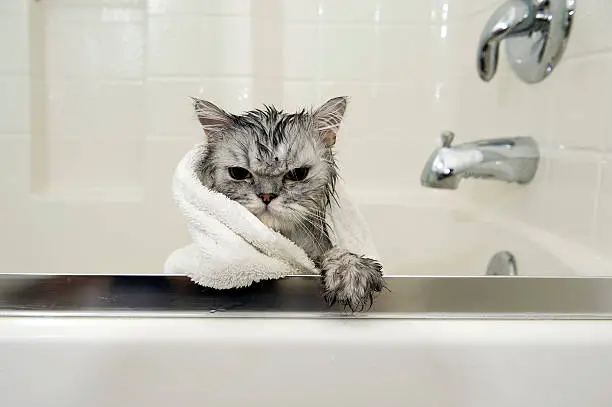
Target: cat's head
[{"x": 278, "y": 165}]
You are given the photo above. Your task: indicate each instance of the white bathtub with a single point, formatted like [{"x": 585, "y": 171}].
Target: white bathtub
[
  {"x": 78, "y": 362},
  {"x": 118, "y": 361},
  {"x": 423, "y": 234}
]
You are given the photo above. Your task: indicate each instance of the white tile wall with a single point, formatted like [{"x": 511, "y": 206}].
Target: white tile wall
[
  {"x": 167, "y": 54},
  {"x": 14, "y": 103},
  {"x": 13, "y": 37},
  {"x": 94, "y": 109}
]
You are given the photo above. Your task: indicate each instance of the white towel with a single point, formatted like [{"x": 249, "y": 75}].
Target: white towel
[{"x": 232, "y": 248}]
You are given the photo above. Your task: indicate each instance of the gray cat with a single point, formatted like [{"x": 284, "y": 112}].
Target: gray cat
[{"x": 281, "y": 167}]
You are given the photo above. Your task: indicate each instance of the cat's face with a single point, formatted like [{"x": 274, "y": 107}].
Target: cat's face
[{"x": 279, "y": 166}]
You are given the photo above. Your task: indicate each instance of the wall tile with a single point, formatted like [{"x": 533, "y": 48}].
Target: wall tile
[
  {"x": 175, "y": 46},
  {"x": 14, "y": 104},
  {"x": 410, "y": 112},
  {"x": 572, "y": 185},
  {"x": 14, "y": 8},
  {"x": 170, "y": 109},
  {"x": 478, "y": 7},
  {"x": 299, "y": 94},
  {"x": 344, "y": 11},
  {"x": 591, "y": 29},
  {"x": 301, "y": 10},
  {"x": 77, "y": 11},
  {"x": 14, "y": 163},
  {"x": 584, "y": 101},
  {"x": 346, "y": 53},
  {"x": 360, "y": 99},
  {"x": 300, "y": 51},
  {"x": 226, "y": 7},
  {"x": 14, "y": 44},
  {"x": 382, "y": 163},
  {"x": 81, "y": 168},
  {"x": 90, "y": 109},
  {"x": 162, "y": 155},
  {"x": 524, "y": 110},
  {"x": 400, "y": 51},
  {"x": 420, "y": 12},
  {"x": 81, "y": 49},
  {"x": 165, "y": 7},
  {"x": 97, "y": 38},
  {"x": 234, "y": 94},
  {"x": 225, "y": 46}
]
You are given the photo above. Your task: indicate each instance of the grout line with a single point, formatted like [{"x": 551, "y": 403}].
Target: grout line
[
  {"x": 15, "y": 134},
  {"x": 591, "y": 54},
  {"x": 369, "y": 24},
  {"x": 583, "y": 154}
]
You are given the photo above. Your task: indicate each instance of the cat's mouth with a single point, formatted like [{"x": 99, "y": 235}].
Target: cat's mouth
[
  {"x": 271, "y": 215},
  {"x": 270, "y": 211},
  {"x": 271, "y": 220}
]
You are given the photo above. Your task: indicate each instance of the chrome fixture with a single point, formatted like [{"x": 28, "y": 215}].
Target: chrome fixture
[
  {"x": 502, "y": 264},
  {"x": 159, "y": 296},
  {"x": 535, "y": 33},
  {"x": 507, "y": 159}
]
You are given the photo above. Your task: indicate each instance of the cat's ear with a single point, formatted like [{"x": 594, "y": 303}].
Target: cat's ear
[
  {"x": 328, "y": 118},
  {"x": 213, "y": 119}
]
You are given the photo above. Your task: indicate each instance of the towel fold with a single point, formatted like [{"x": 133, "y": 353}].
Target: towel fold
[{"x": 232, "y": 248}]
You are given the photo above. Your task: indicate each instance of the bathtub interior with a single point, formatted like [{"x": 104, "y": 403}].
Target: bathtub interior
[{"x": 432, "y": 237}]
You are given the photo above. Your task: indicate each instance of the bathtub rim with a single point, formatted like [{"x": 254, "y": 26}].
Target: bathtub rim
[{"x": 410, "y": 297}]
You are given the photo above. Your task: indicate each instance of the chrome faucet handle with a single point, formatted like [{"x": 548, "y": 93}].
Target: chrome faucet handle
[
  {"x": 514, "y": 17},
  {"x": 447, "y": 138},
  {"x": 535, "y": 32}
]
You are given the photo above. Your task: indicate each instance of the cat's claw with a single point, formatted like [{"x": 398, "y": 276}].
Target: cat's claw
[{"x": 350, "y": 280}]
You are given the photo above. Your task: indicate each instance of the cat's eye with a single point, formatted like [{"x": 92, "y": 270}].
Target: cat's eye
[
  {"x": 239, "y": 173},
  {"x": 297, "y": 174}
]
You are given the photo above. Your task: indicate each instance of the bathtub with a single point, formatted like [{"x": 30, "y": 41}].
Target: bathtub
[
  {"x": 75, "y": 341},
  {"x": 444, "y": 335},
  {"x": 427, "y": 234}
]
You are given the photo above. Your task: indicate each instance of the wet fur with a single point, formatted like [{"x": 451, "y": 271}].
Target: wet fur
[{"x": 269, "y": 143}]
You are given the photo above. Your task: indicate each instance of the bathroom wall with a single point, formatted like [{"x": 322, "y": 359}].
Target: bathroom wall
[{"x": 94, "y": 112}]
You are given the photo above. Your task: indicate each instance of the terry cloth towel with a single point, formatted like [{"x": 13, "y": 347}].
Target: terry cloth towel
[{"x": 232, "y": 248}]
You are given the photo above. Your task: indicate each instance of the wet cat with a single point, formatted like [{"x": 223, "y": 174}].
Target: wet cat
[{"x": 280, "y": 166}]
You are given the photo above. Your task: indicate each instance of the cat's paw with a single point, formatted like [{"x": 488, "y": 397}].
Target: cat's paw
[{"x": 350, "y": 279}]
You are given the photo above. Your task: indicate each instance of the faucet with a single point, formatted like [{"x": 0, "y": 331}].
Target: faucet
[
  {"x": 536, "y": 34},
  {"x": 506, "y": 159},
  {"x": 514, "y": 17}
]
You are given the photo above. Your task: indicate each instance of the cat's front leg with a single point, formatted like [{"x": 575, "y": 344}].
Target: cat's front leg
[{"x": 350, "y": 279}]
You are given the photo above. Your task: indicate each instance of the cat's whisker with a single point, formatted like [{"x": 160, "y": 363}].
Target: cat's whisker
[
  {"x": 318, "y": 228},
  {"x": 302, "y": 226},
  {"x": 320, "y": 218}
]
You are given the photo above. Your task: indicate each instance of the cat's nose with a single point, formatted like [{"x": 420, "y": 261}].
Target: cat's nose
[{"x": 267, "y": 198}]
